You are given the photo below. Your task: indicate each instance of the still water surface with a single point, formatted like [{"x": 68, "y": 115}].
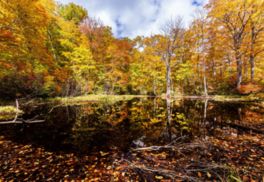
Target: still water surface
[{"x": 140, "y": 122}]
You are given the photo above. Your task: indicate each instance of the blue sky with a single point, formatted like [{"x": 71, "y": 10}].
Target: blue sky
[{"x": 129, "y": 18}]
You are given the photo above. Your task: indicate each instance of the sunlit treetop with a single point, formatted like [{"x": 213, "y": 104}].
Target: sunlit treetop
[{"x": 73, "y": 12}]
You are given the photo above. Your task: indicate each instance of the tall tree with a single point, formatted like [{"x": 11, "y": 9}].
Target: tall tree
[
  {"x": 173, "y": 35},
  {"x": 256, "y": 26},
  {"x": 234, "y": 17},
  {"x": 200, "y": 36}
]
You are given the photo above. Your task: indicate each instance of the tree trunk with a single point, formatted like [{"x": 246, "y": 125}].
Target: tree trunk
[
  {"x": 252, "y": 67},
  {"x": 168, "y": 104},
  {"x": 168, "y": 125},
  {"x": 168, "y": 96},
  {"x": 204, "y": 79},
  {"x": 205, "y": 86},
  {"x": 239, "y": 70},
  {"x": 168, "y": 79},
  {"x": 251, "y": 56},
  {"x": 205, "y": 109},
  {"x": 213, "y": 68},
  {"x": 245, "y": 65}
]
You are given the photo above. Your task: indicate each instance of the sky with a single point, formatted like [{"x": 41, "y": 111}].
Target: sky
[{"x": 130, "y": 18}]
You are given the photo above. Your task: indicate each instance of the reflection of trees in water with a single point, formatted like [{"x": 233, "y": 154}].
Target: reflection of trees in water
[
  {"x": 51, "y": 133},
  {"x": 205, "y": 117},
  {"x": 125, "y": 123},
  {"x": 96, "y": 124}
]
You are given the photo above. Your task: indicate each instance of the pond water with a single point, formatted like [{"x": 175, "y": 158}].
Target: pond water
[
  {"x": 95, "y": 128},
  {"x": 126, "y": 124}
]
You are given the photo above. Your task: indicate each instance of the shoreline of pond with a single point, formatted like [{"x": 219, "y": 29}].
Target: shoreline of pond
[{"x": 113, "y": 98}]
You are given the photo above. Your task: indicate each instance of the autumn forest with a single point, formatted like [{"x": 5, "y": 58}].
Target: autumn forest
[
  {"x": 80, "y": 103},
  {"x": 58, "y": 50}
]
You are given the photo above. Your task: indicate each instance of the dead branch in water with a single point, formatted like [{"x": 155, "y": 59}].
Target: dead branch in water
[
  {"x": 17, "y": 110},
  {"x": 20, "y": 121},
  {"x": 164, "y": 172},
  {"x": 173, "y": 147},
  {"x": 186, "y": 173}
]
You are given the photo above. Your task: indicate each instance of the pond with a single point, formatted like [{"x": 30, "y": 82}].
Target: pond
[{"x": 135, "y": 140}]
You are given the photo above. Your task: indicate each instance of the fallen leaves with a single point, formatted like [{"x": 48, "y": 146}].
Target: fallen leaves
[
  {"x": 159, "y": 177},
  {"x": 103, "y": 153},
  {"x": 243, "y": 152}
]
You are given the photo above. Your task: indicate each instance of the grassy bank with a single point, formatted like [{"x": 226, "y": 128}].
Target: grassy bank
[
  {"x": 75, "y": 100},
  {"x": 223, "y": 98},
  {"x": 93, "y": 98},
  {"x": 9, "y": 112},
  {"x": 239, "y": 98}
]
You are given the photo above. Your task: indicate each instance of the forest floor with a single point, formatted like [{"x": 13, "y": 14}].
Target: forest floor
[{"x": 238, "y": 158}]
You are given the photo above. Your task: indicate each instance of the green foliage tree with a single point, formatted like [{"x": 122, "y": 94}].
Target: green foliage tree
[{"x": 73, "y": 12}]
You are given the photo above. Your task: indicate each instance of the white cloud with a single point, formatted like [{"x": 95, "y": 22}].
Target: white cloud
[{"x": 138, "y": 17}]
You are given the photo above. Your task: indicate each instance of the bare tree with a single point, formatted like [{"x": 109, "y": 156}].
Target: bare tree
[
  {"x": 90, "y": 26},
  {"x": 173, "y": 33},
  {"x": 201, "y": 47}
]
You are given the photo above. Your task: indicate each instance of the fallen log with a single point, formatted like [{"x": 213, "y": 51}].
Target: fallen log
[
  {"x": 242, "y": 127},
  {"x": 164, "y": 172},
  {"x": 177, "y": 147},
  {"x": 20, "y": 121}
]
